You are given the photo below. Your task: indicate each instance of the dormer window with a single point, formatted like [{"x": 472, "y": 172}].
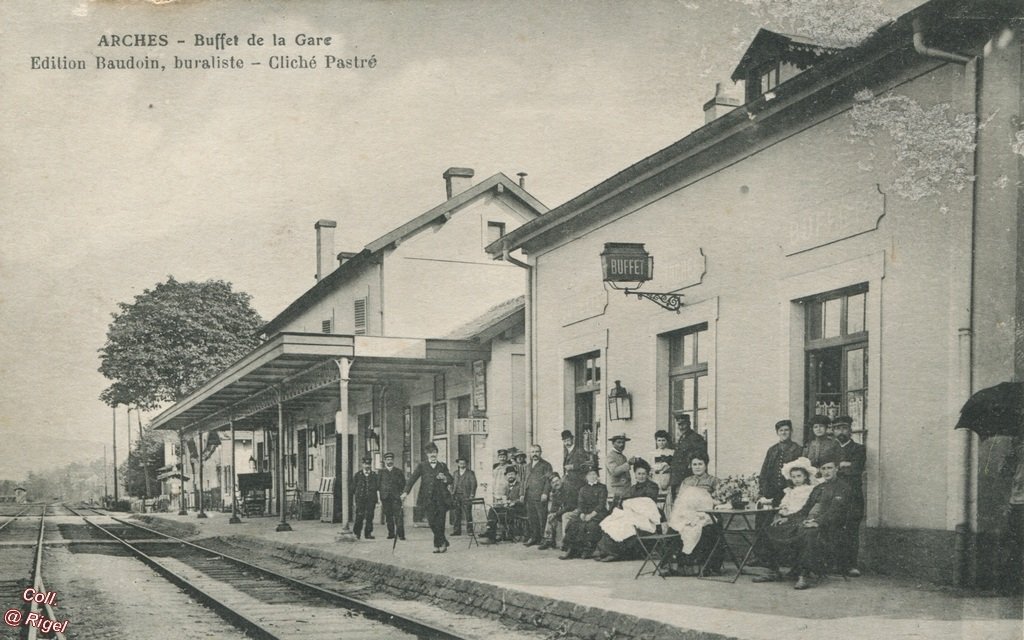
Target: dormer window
[
  {"x": 772, "y": 58},
  {"x": 769, "y": 78}
]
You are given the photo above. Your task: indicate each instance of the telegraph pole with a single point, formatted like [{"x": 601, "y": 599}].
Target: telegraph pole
[
  {"x": 115, "y": 453},
  {"x": 143, "y": 453},
  {"x": 104, "y": 473}
]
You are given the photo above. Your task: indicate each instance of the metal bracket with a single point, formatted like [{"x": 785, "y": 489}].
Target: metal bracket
[{"x": 667, "y": 301}]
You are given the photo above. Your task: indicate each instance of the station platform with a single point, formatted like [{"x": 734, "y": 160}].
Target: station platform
[{"x": 865, "y": 607}]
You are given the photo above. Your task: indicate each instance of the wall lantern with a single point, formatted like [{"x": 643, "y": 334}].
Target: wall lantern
[
  {"x": 628, "y": 263},
  {"x": 620, "y": 403}
]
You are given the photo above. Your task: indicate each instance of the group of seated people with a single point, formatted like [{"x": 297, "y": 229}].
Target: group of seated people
[{"x": 809, "y": 532}]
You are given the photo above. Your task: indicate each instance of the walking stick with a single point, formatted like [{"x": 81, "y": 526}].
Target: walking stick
[{"x": 400, "y": 527}]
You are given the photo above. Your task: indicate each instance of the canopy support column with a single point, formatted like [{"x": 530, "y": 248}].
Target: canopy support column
[
  {"x": 341, "y": 431},
  {"x": 181, "y": 477},
  {"x": 234, "y": 474},
  {"x": 281, "y": 506},
  {"x": 202, "y": 511}
]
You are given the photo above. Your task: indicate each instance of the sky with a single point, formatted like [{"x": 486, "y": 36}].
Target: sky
[{"x": 111, "y": 180}]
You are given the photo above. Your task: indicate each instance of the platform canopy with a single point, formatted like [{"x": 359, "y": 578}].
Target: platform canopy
[{"x": 303, "y": 369}]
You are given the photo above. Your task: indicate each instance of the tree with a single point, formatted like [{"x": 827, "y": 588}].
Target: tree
[{"x": 174, "y": 337}]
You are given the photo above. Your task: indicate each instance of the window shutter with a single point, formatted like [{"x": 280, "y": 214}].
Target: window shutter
[{"x": 360, "y": 316}]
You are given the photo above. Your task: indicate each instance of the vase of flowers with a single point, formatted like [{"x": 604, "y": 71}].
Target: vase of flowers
[{"x": 738, "y": 491}]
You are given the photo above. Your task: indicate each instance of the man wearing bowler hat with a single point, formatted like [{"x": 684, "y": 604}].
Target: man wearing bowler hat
[
  {"x": 364, "y": 494},
  {"x": 689, "y": 444},
  {"x": 392, "y": 481},
  {"x": 618, "y": 467}
]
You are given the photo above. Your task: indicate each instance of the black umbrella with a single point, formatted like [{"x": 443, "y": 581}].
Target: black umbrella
[{"x": 995, "y": 411}]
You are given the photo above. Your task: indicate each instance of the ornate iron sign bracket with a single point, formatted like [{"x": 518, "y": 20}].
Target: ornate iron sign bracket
[{"x": 668, "y": 301}]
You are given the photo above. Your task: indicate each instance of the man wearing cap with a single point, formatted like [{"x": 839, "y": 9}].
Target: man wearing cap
[
  {"x": 364, "y": 494},
  {"x": 689, "y": 444},
  {"x": 535, "y": 489},
  {"x": 392, "y": 481},
  {"x": 822, "y": 446},
  {"x": 498, "y": 483},
  {"x": 770, "y": 480},
  {"x": 618, "y": 467},
  {"x": 463, "y": 490},
  {"x": 852, "y": 458}
]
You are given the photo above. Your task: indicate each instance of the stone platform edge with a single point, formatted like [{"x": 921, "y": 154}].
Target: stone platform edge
[{"x": 471, "y": 597}]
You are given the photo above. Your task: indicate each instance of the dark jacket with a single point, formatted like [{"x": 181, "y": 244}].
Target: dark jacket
[
  {"x": 558, "y": 500},
  {"x": 688, "y": 445},
  {"x": 833, "y": 502},
  {"x": 572, "y": 465},
  {"x": 823, "y": 448},
  {"x": 433, "y": 485},
  {"x": 537, "y": 479},
  {"x": 464, "y": 485},
  {"x": 646, "y": 489},
  {"x": 364, "y": 488},
  {"x": 770, "y": 480},
  {"x": 514, "y": 492},
  {"x": 852, "y": 475},
  {"x": 392, "y": 482},
  {"x": 593, "y": 498}
]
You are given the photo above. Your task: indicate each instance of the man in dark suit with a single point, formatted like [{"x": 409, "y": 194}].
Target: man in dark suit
[
  {"x": 689, "y": 445},
  {"x": 463, "y": 490},
  {"x": 392, "y": 481},
  {"x": 537, "y": 487},
  {"x": 809, "y": 532},
  {"x": 364, "y": 494},
  {"x": 433, "y": 495},
  {"x": 574, "y": 459},
  {"x": 852, "y": 459}
]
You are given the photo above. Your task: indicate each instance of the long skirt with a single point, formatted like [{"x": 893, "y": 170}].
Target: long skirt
[
  {"x": 628, "y": 549},
  {"x": 580, "y": 536}
]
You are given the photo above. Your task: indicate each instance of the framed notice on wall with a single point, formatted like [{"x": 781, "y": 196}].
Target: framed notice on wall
[
  {"x": 407, "y": 438},
  {"x": 479, "y": 386},
  {"x": 439, "y": 390},
  {"x": 440, "y": 418}
]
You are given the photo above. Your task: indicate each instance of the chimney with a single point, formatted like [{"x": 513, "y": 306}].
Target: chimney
[
  {"x": 457, "y": 180},
  {"x": 522, "y": 179},
  {"x": 345, "y": 256},
  {"x": 721, "y": 104},
  {"x": 324, "y": 247}
]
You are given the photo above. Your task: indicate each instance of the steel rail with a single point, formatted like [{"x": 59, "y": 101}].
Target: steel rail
[
  {"x": 376, "y": 612},
  {"x": 37, "y": 582},
  {"x": 16, "y": 516}
]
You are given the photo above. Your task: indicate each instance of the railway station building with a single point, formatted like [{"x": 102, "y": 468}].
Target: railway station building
[
  {"x": 832, "y": 254},
  {"x": 419, "y": 337}
]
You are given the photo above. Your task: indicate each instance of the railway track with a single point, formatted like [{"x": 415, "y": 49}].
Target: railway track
[{"x": 263, "y": 603}]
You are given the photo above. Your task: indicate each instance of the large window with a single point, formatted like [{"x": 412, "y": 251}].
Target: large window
[
  {"x": 587, "y": 395},
  {"x": 688, "y": 385},
  {"x": 837, "y": 355}
]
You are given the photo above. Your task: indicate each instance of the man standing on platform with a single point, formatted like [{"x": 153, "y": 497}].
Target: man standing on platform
[
  {"x": 574, "y": 476},
  {"x": 392, "y": 481},
  {"x": 852, "y": 460},
  {"x": 689, "y": 445},
  {"x": 364, "y": 491},
  {"x": 498, "y": 482},
  {"x": 463, "y": 490},
  {"x": 618, "y": 468},
  {"x": 536, "y": 488},
  {"x": 770, "y": 481}
]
